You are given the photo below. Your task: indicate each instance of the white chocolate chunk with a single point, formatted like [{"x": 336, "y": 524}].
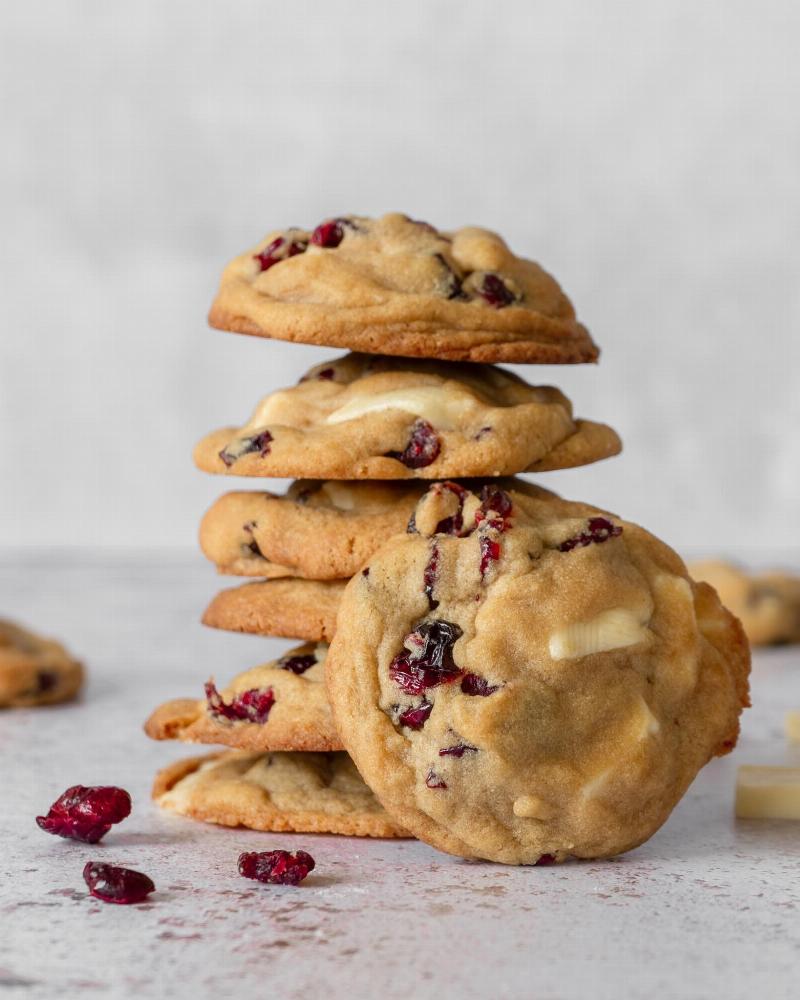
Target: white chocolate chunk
[
  {"x": 650, "y": 724},
  {"x": 792, "y": 726},
  {"x": 443, "y": 409},
  {"x": 612, "y": 629},
  {"x": 340, "y": 495},
  {"x": 768, "y": 792},
  {"x": 532, "y": 807},
  {"x": 321, "y": 652}
]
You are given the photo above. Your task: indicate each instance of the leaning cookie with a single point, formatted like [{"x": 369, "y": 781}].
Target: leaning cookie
[
  {"x": 544, "y": 683},
  {"x": 768, "y": 604},
  {"x": 299, "y": 792},
  {"x": 35, "y": 671},
  {"x": 318, "y": 530},
  {"x": 365, "y": 417},
  {"x": 290, "y": 608},
  {"x": 396, "y": 286},
  {"x": 281, "y": 705}
]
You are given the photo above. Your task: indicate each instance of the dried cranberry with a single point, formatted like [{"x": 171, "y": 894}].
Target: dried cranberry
[
  {"x": 46, "y": 680},
  {"x": 432, "y": 780},
  {"x": 452, "y": 525},
  {"x": 429, "y": 662},
  {"x": 493, "y": 498},
  {"x": 279, "y": 249},
  {"x": 365, "y": 572},
  {"x": 326, "y": 375},
  {"x": 276, "y": 867},
  {"x": 298, "y": 664},
  {"x": 495, "y": 291},
  {"x": 475, "y": 685},
  {"x": 328, "y": 234},
  {"x": 113, "y": 884},
  {"x": 429, "y": 576},
  {"x": 423, "y": 447},
  {"x": 249, "y": 706},
  {"x": 458, "y": 750},
  {"x": 599, "y": 529},
  {"x": 86, "y": 813},
  {"x": 415, "y": 718},
  {"x": 545, "y": 859},
  {"x": 490, "y": 552},
  {"x": 259, "y": 442}
]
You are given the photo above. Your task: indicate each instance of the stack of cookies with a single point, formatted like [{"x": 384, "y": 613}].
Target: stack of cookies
[{"x": 500, "y": 672}]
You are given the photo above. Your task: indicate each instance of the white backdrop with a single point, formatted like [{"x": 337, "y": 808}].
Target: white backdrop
[{"x": 646, "y": 153}]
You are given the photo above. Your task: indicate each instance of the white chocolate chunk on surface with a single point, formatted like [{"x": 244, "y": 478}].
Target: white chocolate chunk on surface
[
  {"x": 442, "y": 408},
  {"x": 612, "y": 629},
  {"x": 792, "y": 726},
  {"x": 768, "y": 792}
]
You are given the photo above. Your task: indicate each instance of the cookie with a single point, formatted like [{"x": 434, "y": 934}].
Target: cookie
[
  {"x": 318, "y": 530},
  {"x": 366, "y": 417},
  {"x": 545, "y": 683},
  {"x": 290, "y": 608},
  {"x": 281, "y": 705},
  {"x": 298, "y": 792},
  {"x": 768, "y": 604},
  {"x": 396, "y": 286},
  {"x": 35, "y": 671}
]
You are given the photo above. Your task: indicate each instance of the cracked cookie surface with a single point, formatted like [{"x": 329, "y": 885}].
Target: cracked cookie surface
[
  {"x": 299, "y": 792},
  {"x": 396, "y": 286},
  {"x": 35, "y": 671},
  {"x": 281, "y": 705},
  {"x": 367, "y": 417},
  {"x": 532, "y": 679}
]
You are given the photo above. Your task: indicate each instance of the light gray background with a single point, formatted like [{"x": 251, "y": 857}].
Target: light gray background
[{"x": 646, "y": 153}]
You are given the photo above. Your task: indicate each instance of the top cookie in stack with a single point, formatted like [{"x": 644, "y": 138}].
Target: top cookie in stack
[{"x": 397, "y": 286}]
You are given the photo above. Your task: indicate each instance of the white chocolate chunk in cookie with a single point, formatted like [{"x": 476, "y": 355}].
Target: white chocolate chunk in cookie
[
  {"x": 768, "y": 792},
  {"x": 615, "y": 628},
  {"x": 650, "y": 726},
  {"x": 442, "y": 408},
  {"x": 792, "y": 726}
]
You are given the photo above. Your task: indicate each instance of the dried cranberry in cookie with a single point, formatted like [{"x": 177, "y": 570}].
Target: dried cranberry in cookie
[
  {"x": 395, "y": 285},
  {"x": 380, "y": 418},
  {"x": 527, "y": 699}
]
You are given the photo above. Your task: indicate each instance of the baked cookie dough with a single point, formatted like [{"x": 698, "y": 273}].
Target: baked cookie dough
[
  {"x": 397, "y": 286},
  {"x": 545, "y": 683},
  {"x": 768, "y": 604},
  {"x": 290, "y": 608},
  {"x": 35, "y": 671},
  {"x": 281, "y": 705},
  {"x": 320, "y": 530},
  {"x": 367, "y": 417},
  {"x": 299, "y": 792}
]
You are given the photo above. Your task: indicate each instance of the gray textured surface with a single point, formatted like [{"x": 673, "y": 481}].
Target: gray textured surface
[
  {"x": 647, "y": 153},
  {"x": 707, "y": 909}
]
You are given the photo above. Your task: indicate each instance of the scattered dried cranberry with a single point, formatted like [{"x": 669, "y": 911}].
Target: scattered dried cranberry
[
  {"x": 113, "y": 884},
  {"x": 427, "y": 660},
  {"x": 458, "y": 750},
  {"x": 475, "y": 685},
  {"x": 490, "y": 552},
  {"x": 452, "y": 525},
  {"x": 495, "y": 291},
  {"x": 279, "y": 249},
  {"x": 276, "y": 867},
  {"x": 429, "y": 576},
  {"x": 329, "y": 234},
  {"x": 259, "y": 442},
  {"x": 599, "y": 529},
  {"x": 250, "y": 706},
  {"x": 432, "y": 780},
  {"x": 415, "y": 718},
  {"x": 86, "y": 813},
  {"x": 297, "y": 664},
  {"x": 423, "y": 447}
]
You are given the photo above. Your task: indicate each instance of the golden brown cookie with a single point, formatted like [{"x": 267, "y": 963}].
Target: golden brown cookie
[
  {"x": 291, "y": 608},
  {"x": 368, "y": 417},
  {"x": 396, "y": 286},
  {"x": 545, "y": 684},
  {"x": 767, "y": 603},
  {"x": 318, "y": 530},
  {"x": 299, "y": 792},
  {"x": 35, "y": 671},
  {"x": 281, "y": 705}
]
